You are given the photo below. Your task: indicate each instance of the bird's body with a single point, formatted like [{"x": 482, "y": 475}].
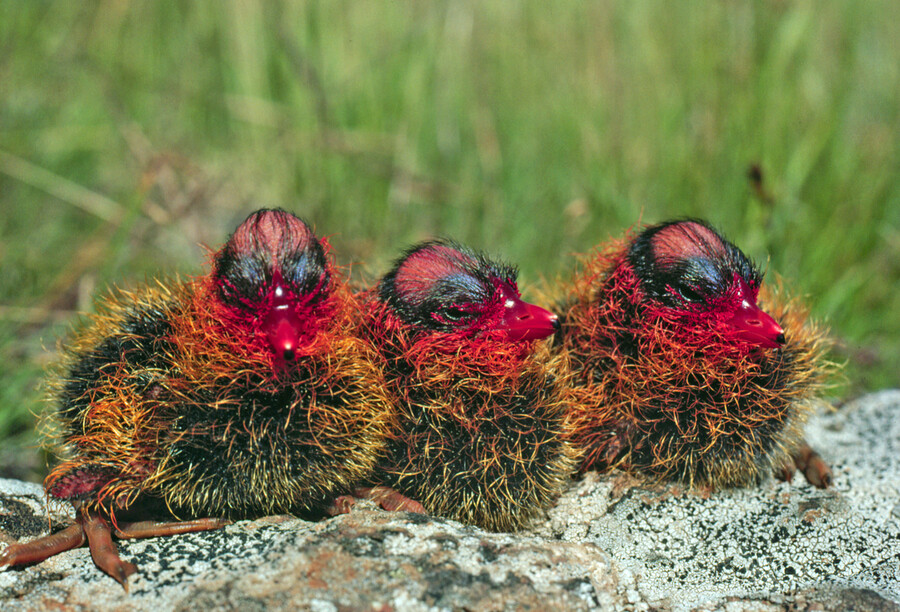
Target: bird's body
[
  {"x": 236, "y": 394},
  {"x": 477, "y": 426},
  {"x": 678, "y": 373}
]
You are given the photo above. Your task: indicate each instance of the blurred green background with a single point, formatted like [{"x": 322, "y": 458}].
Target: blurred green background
[{"x": 133, "y": 132}]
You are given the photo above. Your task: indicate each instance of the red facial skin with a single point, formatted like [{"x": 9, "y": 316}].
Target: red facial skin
[
  {"x": 506, "y": 317},
  {"x": 486, "y": 297},
  {"x": 290, "y": 321},
  {"x": 690, "y": 255},
  {"x": 496, "y": 343},
  {"x": 735, "y": 317},
  {"x": 284, "y": 327}
]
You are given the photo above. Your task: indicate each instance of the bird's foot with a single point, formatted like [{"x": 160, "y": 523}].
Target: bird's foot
[
  {"x": 90, "y": 526},
  {"x": 391, "y": 500},
  {"x": 387, "y": 498},
  {"x": 42, "y": 548},
  {"x": 152, "y": 529},
  {"x": 809, "y": 463},
  {"x": 342, "y": 505},
  {"x": 813, "y": 467},
  {"x": 96, "y": 530},
  {"x": 103, "y": 550}
]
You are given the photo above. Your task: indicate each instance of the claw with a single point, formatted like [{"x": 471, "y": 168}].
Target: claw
[
  {"x": 809, "y": 463},
  {"x": 342, "y": 505},
  {"x": 785, "y": 472}
]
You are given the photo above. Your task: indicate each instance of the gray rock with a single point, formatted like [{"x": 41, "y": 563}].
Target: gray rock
[
  {"x": 611, "y": 543},
  {"x": 686, "y": 550}
]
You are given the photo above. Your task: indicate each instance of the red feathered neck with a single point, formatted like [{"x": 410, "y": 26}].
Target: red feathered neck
[{"x": 220, "y": 333}]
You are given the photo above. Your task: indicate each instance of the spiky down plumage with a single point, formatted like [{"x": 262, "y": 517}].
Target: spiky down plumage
[
  {"x": 693, "y": 407},
  {"x": 477, "y": 425},
  {"x": 162, "y": 398}
]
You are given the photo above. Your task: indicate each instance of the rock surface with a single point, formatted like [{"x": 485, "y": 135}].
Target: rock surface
[{"x": 611, "y": 543}]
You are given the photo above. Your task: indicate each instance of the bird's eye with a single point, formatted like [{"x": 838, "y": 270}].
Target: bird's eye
[
  {"x": 454, "y": 313},
  {"x": 692, "y": 294}
]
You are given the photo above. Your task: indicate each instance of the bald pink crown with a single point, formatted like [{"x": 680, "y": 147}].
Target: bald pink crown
[
  {"x": 422, "y": 269},
  {"x": 688, "y": 239},
  {"x": 274, "y": 232}
]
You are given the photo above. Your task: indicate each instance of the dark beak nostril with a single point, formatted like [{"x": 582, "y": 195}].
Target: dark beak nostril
[
  {"x": 780, "y": 339},
  {"x": 755, "y": 322}
]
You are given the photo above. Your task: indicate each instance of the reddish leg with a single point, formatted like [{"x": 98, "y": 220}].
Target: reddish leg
[
  {"x": 810, "y": 464},
  {"x": 103, "y": 551},
  {"x": 385, "y": 497},
  {"x": 152, "y": 529},
  {"x": 93, "y": 527},
  {"x": 43, "y": 548},
  {"x": 390, "y": 499}
]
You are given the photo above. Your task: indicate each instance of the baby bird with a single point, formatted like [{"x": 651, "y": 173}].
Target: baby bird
[
  {"x": 241, "y": 393},
  {"x": 685, "y": 367},
  {"x": 478, "y": 418}
]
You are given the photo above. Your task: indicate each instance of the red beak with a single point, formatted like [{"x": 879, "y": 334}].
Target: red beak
[
  {"x": 283, "y": 327},
  {"x": 753, "y": 325},
  {"x": 524, "y": 321}
]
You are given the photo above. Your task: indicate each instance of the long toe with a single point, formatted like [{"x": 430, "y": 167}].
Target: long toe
[
  {"x": 152, "y": 529},
  {"x": 103, "y": 551},
  {"x": 43, "y": 548}
]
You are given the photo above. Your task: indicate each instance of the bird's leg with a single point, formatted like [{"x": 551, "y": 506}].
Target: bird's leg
[
  {"x": 387, "y": 498},
  {"x": 341, "y": 505},
  {"x": 103, "y": 551},
  {"x": 90, "y": 526},
  {"x": 811, "y": 465},
  {"x": 613, "y": 450},
  {"x": 43, "y": 548},
  {"x": 390, "y": 500},
  {"x": 152, "y": 529}
]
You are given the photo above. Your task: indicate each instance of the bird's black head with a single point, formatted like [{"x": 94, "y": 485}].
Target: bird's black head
[
  {"x": 274, "y": 270},
  {"x": 687, "y": 266},
  {"x": 445, "y": 287}
]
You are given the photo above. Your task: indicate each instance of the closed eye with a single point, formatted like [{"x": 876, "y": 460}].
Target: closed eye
[
  {"x": 692, "y": 294},
  {"x": 454, "y": 313}
]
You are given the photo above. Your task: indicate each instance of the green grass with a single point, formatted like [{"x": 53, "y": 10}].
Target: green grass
[{"x": 132, "y": 132}]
